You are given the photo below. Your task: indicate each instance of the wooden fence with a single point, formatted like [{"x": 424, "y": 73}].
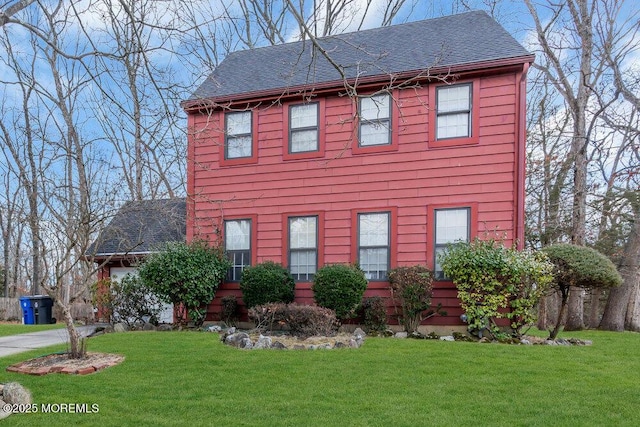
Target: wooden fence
[{"x": 10, "y": 311}]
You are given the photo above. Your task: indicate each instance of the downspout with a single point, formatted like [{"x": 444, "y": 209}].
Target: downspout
[{"x": 521, "y": 150}]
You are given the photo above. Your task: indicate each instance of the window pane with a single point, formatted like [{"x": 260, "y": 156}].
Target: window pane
[
  {"x": 304, "y": 116},
  {"x": 375, "y": 107},
  {"x": 239, "y": 260},
  {"x": 452, "y": 225},
  {"x": 237, "y": 235},
  {"x": 438, "y": 270},
  {"x": 376, "y": 133},
  {"x": 374, "y": 263},
  {"x": 303, "y": 264},
  {"x": 304, "y": 140},
  {"x": 374, "y": 229},
  {"x": 238, "y": 147},
  {"x": 302, "y": 232},
  {"x": 453, "y": 125},
  {"x": 456, "y": 98},
  {"x": 238, "y": 123}
]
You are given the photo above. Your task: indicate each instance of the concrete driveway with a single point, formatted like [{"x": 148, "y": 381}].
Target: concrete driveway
[{"x": 24, "y": 342}]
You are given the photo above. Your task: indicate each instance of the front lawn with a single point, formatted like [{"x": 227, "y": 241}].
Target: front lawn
[
  {"x": 190, "y": 378},
  {"x": 7, "y": 329}
]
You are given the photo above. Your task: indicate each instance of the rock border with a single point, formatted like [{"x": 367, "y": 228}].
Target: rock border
[
  {"x": 525, "y": 340},
  {"x": 34, "y": 366},
  {"x": 243, "y": 340}
]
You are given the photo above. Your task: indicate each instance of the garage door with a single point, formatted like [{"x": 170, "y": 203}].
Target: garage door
[{"x": 116, "y": 273}]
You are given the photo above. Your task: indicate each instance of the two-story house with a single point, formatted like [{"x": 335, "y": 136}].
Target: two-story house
[{"x": 378, "y": 147}]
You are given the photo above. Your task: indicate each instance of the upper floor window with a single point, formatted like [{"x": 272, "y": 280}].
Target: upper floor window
[
  {"x": 374, "y": 244},
  {"x": 237, "y": 245},
  {"x": 453, "y": 111},
  {"x": 239, "y": 137},
  {"x": 375, "y": 120},
  {"x": 303, "y": 128},
  {"x": 451, "y": 225},
  {"x": 303, "y": 247}
]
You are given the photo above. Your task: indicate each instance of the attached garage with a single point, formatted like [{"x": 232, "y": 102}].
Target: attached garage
[{"x": 138, "y": 229}]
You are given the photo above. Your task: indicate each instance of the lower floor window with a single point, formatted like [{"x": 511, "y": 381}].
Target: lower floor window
[
  {"x": 373, "y": 244},
  {"x": 451, "y": 226},
  {"x": 303, "y": 247},
  {"x": 237, "y": 244}
]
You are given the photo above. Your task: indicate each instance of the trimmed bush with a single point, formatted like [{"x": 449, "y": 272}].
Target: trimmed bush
[
  {"x": 302, "y": 320},
  {"x": 412, "y": 286},
  {"x": 266, "y": 282},
  {"x": 374, "y": 314},
  {"x": 186, "y": 275},
  {"x": 581, "y": 267},
  {"x": 339, "y": 287}
]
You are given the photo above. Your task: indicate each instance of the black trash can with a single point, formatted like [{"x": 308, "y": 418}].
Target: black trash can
[{"x": 42, "y": 309}]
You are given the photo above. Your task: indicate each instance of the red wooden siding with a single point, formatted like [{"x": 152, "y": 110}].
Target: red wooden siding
[{"x": 409, "y": 179}]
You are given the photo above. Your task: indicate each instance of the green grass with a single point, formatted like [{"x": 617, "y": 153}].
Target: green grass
[
  {"x": 190, "y": 378},
  {"x": 7, "y": 329}
]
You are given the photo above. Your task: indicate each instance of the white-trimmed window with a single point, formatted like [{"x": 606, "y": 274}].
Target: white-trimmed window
[
  {"x": 375, "y": 120},
  {"x": 237, "y": 245},
  {"x": 453, "y": 111},
  {"x": 239, "y": 138},
  {"x": 303, "y": 247},
  {"x": 451, "y": 226},
  {"x": 373, "y": 244},
  {"x": 303, "y": 128}
]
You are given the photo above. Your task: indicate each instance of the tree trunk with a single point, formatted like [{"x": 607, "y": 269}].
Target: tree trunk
[
  {"x": 615, "y": 312},
  {"x": 77, "y": 349},
  {"x": 575, "y": 318},
  {"x": 563, "y": 309},
  {"x": 549, "y": 310},
  {"x": 633, "y": 309},
  {"x": 594, "y": 309}
]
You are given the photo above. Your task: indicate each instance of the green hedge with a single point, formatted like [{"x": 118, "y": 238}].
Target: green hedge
[
  {"x": 339, "y": 287},
  {"x": 265, "y": 283}
]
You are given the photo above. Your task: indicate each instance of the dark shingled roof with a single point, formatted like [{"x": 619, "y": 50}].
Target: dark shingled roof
[
  {"x": 445, "y": 42},
  {"x": 141, "y": 227}
]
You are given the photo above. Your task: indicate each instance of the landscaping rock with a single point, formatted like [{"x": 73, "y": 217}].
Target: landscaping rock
[
  {"x": 165, "y": 327},
  {"x": 263, "y": 342},
  {"x": 388, "y": 333},
  {"x": 148, "y": 327},
  {"x": 119, "y": 327},
  {"x": 400, "y": 335},
  {"x": 339, "y": 344},
  {"x": 278, "y": 345},
  {"x": 3, "y": 414},
  {"x": 246, "y": 343},
  {"x": 416, "y": 335},
  {"x": 235, "y": 340},
  {"x": 214, "y": 328},
  {"x": 524, "y": 341},
  {"x": 359, "y": 333},
  {"x": 231, "y": 330},
  {"x": 16, "y": 394},
  {"x": 447, "y": 338}
]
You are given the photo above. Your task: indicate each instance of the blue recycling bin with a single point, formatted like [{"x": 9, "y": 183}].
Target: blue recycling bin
[{"x": 28, "y": 314}]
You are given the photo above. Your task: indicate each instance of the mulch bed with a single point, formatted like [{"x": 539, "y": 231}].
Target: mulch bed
[{"x": 63, "y": 364}]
